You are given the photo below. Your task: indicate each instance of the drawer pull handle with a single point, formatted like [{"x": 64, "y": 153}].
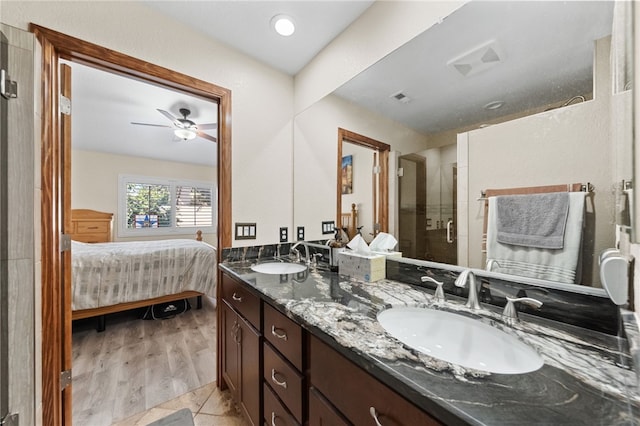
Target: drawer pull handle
[
  {"x": 92, "y": 227},
  {"x": 273, "y": 418},
  {"x": 373, "y": 413},
  {"x": 282, "y": 336},
  {"x": 273, "y": 378},
  {"x": 236, "y": 297}
]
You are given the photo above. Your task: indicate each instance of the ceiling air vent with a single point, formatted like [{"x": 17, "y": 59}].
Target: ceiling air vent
[
  {"x": 477, "y": 59},
  {"x": 401, "y": 97}
]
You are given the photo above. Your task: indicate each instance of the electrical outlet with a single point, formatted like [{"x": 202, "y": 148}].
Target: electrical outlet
[
  {"x": 300, "y": 233},
  {"x": 246, "y": 231},
  {"x": 328, "y": 226},
  {"x": 284, "y": 234}
]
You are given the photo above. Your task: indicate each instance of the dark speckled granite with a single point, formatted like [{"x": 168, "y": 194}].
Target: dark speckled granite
[
  {"x": 591, "y": 309},
  {"x": 586, "y": 378}
]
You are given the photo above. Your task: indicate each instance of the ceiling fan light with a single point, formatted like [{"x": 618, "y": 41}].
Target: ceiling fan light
[{"x": 185, "y": 134}]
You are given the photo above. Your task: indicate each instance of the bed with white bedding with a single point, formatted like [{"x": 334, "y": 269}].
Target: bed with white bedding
[
  {"x": 114, "y": 275},
  {"x": 108, "y": 277}
]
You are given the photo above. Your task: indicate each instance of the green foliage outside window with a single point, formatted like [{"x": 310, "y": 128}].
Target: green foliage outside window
[{"x": 148, "y": 199}]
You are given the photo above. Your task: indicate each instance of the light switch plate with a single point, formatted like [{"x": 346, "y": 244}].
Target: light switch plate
[
  {"x": 246, "y": 231},
  {"x": 328, "y": 226}
]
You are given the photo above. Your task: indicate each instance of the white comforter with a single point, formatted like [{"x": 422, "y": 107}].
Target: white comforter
[{"x": 106, "y": 274}]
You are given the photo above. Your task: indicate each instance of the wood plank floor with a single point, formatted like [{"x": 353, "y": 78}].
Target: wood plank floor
[{"x": 135, "y": 364}]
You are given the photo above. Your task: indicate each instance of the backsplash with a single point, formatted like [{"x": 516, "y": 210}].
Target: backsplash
[
  {"x": 250, "y": 253},
  {"x": 582, "y": 310}
]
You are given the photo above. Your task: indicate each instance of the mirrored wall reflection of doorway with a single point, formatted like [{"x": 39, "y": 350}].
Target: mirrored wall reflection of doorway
[{"x": 427, "y": 208}]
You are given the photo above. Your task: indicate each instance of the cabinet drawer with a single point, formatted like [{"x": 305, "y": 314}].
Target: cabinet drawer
[
  {"x": 274, "y": 412},
  {"x": 239, "y": 297},
  {"x": 92, "y": 238},
  {"x": 355, "y": 393},
  {"x": 322, "y": 413},
  {"x": 88, "y": 227},
  {"x": 284, "y": 334},
  {"x": 285, "y": 381}
]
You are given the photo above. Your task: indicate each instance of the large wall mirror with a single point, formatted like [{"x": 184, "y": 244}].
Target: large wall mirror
[
  {"x": 497, "y": 95},
  {"x": 362, "y": 202}
]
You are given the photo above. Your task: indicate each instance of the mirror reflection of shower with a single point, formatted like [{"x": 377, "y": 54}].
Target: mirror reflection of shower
[{"x": 427, "y": 205}]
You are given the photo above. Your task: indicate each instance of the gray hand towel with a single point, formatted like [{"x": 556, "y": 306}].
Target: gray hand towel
[{"x": 533, "y": 220}]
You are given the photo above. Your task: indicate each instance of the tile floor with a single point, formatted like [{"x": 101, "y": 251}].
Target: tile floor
[{"x": 208, "y": 404}]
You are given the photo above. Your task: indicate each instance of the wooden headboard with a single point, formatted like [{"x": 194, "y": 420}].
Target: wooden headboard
[{"x": 91, "y": 226}]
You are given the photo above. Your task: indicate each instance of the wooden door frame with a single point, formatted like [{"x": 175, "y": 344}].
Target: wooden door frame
[
  {"x": 383, "y": 150},
  {"x": 56, "y": 46}
]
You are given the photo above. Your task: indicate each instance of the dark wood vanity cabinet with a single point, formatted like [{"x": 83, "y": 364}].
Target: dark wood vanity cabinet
[
  {"x": 322, "y": 413},
  {"x": 355, "y": 394},
  {"x": 280, "y": 374},
  {"x": 283, "y": 365},
  {"x": 240, "y": 317}
]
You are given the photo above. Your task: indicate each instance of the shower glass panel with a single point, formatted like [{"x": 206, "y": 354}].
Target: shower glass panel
[{"x": 427, "y": 208}]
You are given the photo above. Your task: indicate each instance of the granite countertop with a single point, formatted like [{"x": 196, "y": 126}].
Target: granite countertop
[{"x": 586, "y": 377}]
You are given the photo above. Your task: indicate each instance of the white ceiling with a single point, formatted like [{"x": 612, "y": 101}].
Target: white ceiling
[
  {"x": 105, "y": 104},
  {"x": 545, "y": 47},
  {"x": 546, "y": 56},
  {"x": 245, "y": 26}
]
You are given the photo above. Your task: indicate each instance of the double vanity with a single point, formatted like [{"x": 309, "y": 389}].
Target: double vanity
[{"x": 303, "y": 345}]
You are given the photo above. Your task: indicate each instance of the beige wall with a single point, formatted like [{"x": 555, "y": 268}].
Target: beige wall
[
  {"x": 362, "y": 194},
  {"x": 262, "y": 98},
  {"x": 94, "y": 182},
  {"x": 316, "y": 152},
  {"x": 517, "y": 153}
]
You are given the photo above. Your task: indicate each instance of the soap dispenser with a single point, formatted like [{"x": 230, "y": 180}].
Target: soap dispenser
[{"x": 336, "y": 245}]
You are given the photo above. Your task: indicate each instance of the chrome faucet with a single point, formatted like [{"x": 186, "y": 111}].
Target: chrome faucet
[
  {"x": 474, "y": 289},
  {"x": 510, "y": 313},
  {"x": 438, "y": 296},
  {"x": 296, "y": 252}
]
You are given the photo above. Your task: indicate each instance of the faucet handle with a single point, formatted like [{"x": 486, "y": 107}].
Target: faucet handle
[
  {"x": 439, "y": 294},
  {"x": 510, "y": 313}
]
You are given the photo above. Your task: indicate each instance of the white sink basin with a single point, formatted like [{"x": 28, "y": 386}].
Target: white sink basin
[
  {"x": 278, "y": 268},
  {"x": 460, "y": 340}
]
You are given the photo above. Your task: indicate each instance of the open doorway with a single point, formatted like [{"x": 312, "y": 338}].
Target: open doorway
[
  {"x": 126, "y": 128},
  {"x": 56, "y": 199}
]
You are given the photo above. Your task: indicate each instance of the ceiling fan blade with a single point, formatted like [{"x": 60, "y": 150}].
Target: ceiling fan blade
[
  {"x": 149, "y": 124},
  {"x": 169, "y": 116},
  {"x": 207, "y": 126},
  {"x": 206, "y": 136}
]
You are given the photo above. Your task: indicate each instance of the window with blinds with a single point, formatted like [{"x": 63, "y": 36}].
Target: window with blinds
[
  {"x": 193, "y": 206},
  {"x": 158, "y": 206}
]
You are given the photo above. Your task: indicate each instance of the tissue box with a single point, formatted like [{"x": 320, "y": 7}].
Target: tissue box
[
  {"x": 388, "y": 253},
  {"x": 368, "y": 268}
]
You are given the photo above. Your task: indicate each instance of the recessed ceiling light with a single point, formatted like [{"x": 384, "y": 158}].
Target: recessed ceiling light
[
  {"x": 494, "y": 105},
  {"x": 283, "y": 25}
]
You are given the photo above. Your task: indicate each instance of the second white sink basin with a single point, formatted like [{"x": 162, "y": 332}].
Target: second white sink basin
[
  {"x": 460, "y": 340},
  {"x": 278, "y": 268}
]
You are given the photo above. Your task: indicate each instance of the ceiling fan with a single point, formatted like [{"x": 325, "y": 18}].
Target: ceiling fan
[{"x": 183, "y": 127}]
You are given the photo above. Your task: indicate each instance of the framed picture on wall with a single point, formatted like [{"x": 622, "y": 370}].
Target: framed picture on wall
[{"x": 347, "y": 174}]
